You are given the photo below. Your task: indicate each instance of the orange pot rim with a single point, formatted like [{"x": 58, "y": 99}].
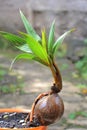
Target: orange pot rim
[{"x": 20, "y": 110}]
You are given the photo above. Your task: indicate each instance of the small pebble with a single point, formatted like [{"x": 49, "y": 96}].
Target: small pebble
[
  {"x": 21, "y": 121},
  {"x": 5, "y": 116},
  {"x": 12, "y": 114},
  {"x": 23, "y": 124}
]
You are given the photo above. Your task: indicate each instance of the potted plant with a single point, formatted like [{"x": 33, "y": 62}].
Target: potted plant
[{"x": 47, "y": 107}]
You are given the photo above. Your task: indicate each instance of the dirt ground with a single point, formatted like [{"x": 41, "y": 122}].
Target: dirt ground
[{"x": 38, "y": 79}]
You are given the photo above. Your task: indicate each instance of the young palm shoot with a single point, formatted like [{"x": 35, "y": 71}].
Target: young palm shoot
[{"x": 47, "y": 107}]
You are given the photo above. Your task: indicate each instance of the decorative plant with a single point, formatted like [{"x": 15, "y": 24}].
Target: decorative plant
[{"x": 47, "y": 107}]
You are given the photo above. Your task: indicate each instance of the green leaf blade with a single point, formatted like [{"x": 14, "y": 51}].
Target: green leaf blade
[
  {"x": 12, "y": 38},
  {"x": 27, "y": 56},
  {"x": 29, "y": 28},
  {"x": 22, "y": 56},
  {"x": 24, "y": 48},
  {"x": 60, "y": 40},
  {"x": 36, "y": 47},
  {"x": 44, "y": 39},
  {"x": 51, "y": 38}
]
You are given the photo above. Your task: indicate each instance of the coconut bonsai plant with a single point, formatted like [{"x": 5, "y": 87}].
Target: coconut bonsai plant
[{"x": 47, "y": 107}]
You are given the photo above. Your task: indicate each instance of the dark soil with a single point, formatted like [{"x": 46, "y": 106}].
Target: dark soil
[{"x": 16, "y": 120}]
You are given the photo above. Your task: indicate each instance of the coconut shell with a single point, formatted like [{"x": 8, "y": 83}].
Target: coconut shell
[{"x": 49, "y": 109}]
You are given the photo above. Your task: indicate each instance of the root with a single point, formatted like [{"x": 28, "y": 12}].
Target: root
[{"x": 31, "y": 115}]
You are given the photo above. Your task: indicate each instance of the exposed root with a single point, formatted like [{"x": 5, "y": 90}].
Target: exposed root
[{"x": 30, "y": 115}]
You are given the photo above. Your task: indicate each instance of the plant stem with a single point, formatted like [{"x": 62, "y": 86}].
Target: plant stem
[{"x": 57, "y": 78}]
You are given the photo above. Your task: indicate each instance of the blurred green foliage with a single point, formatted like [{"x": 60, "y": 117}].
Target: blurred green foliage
[
  {"x": 10, "y": 82},
  {"x": 75, "y": 114},
  {"x": 81, "y": 86},
  {"x": 81, "y": 65}
]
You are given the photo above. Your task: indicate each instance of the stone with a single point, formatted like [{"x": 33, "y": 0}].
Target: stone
[{"x": 21, "y": 121}]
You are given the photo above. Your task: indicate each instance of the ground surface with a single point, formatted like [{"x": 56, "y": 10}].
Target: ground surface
[{"x": 37, "y": 80}]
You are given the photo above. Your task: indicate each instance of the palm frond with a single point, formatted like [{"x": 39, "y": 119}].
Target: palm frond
[{"x": 29, "y": 28}]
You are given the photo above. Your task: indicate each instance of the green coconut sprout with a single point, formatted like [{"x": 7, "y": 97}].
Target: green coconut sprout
[{"x": 41, "y": 49}]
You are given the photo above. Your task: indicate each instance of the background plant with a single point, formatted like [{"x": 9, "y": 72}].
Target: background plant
[
  {"x": 81, "y": 65},
  {"x": 76, "y": 114},
  {"x": 10, "y": 82}
]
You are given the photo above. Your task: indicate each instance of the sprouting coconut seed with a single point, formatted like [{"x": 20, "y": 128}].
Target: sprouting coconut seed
[{"x": 49, "y": 109}]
